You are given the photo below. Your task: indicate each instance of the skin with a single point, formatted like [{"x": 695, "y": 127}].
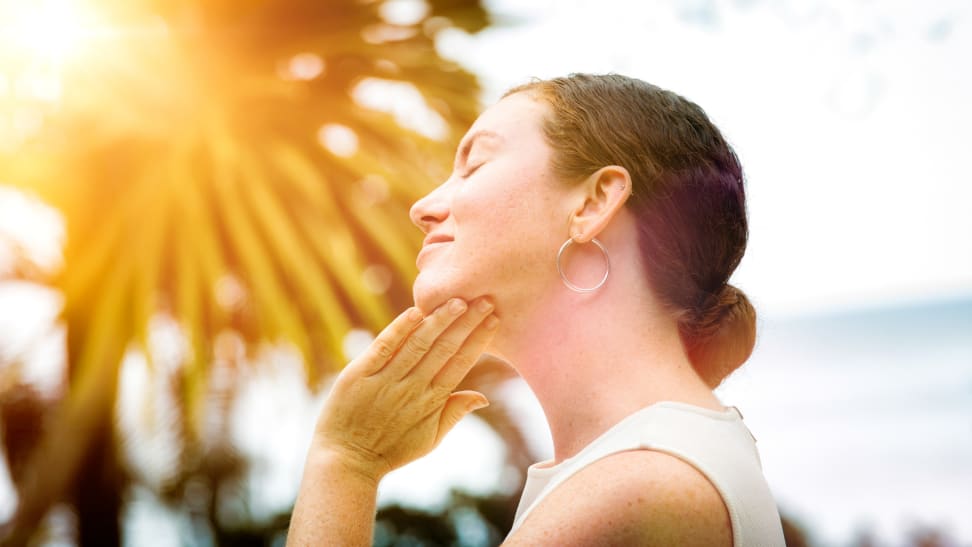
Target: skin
[
  {"x": 493, "y": 231},
  {"x": 500, "y": 169}
]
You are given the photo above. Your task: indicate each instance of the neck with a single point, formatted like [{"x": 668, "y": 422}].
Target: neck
[{"x": 593, "y": 359}]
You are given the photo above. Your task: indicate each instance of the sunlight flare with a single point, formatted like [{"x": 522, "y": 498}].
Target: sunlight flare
[{"x": 48, "y": 32}]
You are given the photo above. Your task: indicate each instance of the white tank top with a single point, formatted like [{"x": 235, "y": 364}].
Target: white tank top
[{"x": 716, "y": 443}]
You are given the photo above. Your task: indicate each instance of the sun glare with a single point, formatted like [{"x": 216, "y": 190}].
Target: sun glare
[
  {"x": 37, "y": 40},
  {"x": 46, "y": 32}
]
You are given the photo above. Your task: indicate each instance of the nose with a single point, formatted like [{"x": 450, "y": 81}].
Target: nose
[{"x": 430, "y": 210}]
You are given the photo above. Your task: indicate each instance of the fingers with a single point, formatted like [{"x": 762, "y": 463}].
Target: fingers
[
  {"x": 388, "y": 341},
  {"x": 455, "y": 369},
  {"x": 458, "y": 405},
  {"x": 442, "y": 346},
  {"x": 421, "y": 340},
  {"x": 453, "y": 341}
]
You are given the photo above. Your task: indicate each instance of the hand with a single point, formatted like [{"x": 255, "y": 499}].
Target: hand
[{"x": 395, "y": 402}]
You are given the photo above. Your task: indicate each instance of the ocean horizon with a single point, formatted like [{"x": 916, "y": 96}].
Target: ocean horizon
[{"x": 864, "y": 419}]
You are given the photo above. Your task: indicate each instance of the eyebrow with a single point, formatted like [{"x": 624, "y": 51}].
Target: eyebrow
[{"x": 467, "y": 145}]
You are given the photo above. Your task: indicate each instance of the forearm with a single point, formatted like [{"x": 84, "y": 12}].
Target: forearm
[{"x": 335, "y": 505}]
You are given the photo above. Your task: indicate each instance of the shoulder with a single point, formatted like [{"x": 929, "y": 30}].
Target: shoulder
[{"x": 638, "y": 497}]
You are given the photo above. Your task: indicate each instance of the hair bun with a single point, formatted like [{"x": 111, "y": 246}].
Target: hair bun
[{"x": 721, "y": 336}]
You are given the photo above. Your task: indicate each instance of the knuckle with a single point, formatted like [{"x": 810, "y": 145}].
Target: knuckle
[
  {"x": 446, "y": 347},
  {"x": 383, "y": 350},
  {"x": 439, "y": 389},
  {"x": 417, "y": 345}
]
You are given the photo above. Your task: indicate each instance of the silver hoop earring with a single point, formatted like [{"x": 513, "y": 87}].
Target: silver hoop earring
[{"x": 563, "y": 277}]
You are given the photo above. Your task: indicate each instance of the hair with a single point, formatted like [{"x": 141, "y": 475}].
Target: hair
[{"x": 687, "y": 196}]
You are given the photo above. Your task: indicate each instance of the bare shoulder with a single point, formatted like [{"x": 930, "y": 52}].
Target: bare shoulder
[{"x": 639, "y": 497}]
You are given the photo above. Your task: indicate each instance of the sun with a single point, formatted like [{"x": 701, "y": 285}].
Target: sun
[
  {"x": 44, "y": 33},
  {"x": 39, "y": 40}
]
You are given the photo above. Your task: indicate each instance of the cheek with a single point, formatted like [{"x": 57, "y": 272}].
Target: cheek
[
  {"x": 507, "y": 235},
  {"x": 487, "y": 228},
  {"x": 505, "y": 199},
  {"x": 514, "y": 235}
]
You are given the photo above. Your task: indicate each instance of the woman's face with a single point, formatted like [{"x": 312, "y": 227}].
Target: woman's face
[{"x": 494, "y": 227}]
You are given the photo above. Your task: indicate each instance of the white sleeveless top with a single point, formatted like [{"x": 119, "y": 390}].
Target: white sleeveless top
[{"x": 716, "y": 443}]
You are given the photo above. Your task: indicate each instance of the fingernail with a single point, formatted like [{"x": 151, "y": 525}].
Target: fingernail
[
  {"x": 485, "y": 305},
  {"x": 478, "y": 405},
  {"x": 415, "y": 314},
  {"x": 457, "y": 306},
  {"x": 491, "y": 322}
]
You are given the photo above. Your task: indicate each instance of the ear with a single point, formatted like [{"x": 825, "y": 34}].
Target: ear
[{"x": 602, "y": 195}]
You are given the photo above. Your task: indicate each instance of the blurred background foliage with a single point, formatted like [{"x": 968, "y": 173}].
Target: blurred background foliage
[{"x": 228, "y": 167}]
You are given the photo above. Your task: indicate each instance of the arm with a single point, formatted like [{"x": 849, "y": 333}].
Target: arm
[
  {"x": 640, "y": 497},
  {"x": 335, "y": 505},
  {"x": 390, "y": 406}
]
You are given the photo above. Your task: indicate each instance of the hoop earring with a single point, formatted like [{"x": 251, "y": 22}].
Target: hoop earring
[{"x": 563, "y": 277}]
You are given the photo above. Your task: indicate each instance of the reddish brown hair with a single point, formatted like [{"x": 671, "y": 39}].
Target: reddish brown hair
[{"x": 687, "y": 194}]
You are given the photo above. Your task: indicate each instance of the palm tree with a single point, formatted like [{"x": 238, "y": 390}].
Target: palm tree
[{"x": 219, "y": 162}]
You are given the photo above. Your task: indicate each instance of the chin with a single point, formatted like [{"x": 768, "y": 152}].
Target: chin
[
  {"x": 432, "y": 288},
  {"x": 429, "y": 293}
]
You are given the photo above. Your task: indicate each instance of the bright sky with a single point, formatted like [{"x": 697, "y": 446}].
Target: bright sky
[{"x": 851, "y": 119}]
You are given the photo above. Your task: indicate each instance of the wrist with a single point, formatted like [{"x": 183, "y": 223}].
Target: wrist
[{"x": 348, "y": 463}]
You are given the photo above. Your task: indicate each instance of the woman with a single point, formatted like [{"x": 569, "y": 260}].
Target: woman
[{"x": 586, "y": 235}]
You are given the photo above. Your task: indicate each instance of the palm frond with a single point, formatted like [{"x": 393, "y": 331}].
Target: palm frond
[{"x": 182, "y": 153}]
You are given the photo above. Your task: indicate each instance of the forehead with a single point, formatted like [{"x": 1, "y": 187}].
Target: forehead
[{"x": 516, "y": 118}]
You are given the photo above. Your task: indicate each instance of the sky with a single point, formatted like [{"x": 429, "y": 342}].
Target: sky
[{"x": 850, "y": 119}]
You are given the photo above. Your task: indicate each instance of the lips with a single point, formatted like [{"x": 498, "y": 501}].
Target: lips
[
  {"x": 430, "y": 243},
  {"x": 435, "y": 238}
]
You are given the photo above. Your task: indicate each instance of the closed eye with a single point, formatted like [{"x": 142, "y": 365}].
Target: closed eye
[{"x": 470, "y": 170}]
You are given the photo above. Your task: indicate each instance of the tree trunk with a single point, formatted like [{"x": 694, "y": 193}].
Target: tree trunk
[{"x": 98, "y": 492}]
